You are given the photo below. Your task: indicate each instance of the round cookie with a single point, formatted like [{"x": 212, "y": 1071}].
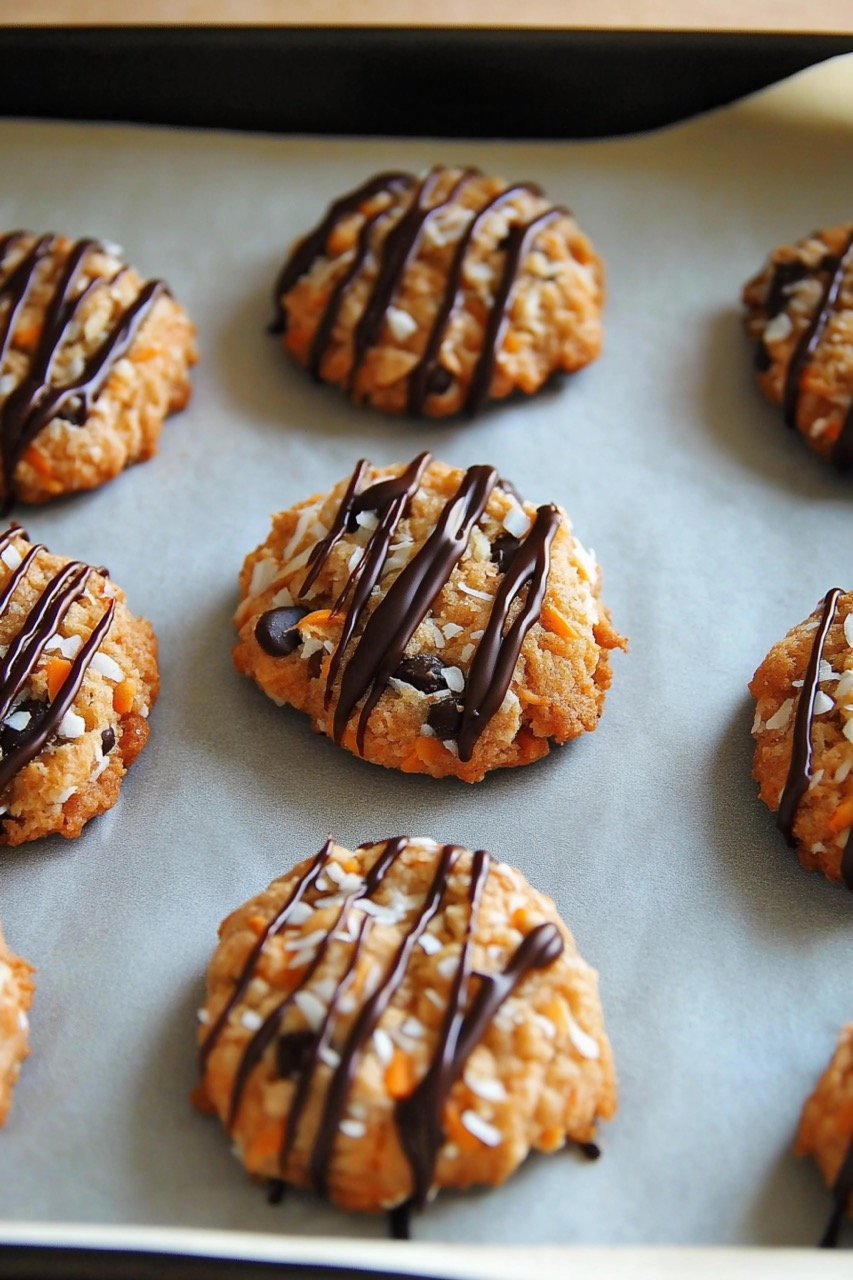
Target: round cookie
[
  {"x": 799, "y": 313},
  {"x": 92, "y": 359},
  {"x": 428, "y": 620},
  {"x": 408, "y": 1016},
  {"x": 803, "y": 732},
  {"x": 826, "y": 1130},
  {"x": 78, "y": 676},
  {"x": 16, "y": 996},
  {"x": 434, "y": 295}
]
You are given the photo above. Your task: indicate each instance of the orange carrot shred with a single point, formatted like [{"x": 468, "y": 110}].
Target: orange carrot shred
[
  {"x": 57, "y": 674},
  {"x": 123, "y": 696}
]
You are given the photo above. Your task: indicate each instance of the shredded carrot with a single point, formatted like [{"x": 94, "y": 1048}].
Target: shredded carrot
[
  {"x": 529, "y": 746},
  {"x": 555, "y": 1011},
  {"x": 200, "y": 1099},
  {"x": 265, "y": 1144},
  {"x": 553, "y": 620},
  {"x": 123, "y": 696},
  {"x": 57, "y": 674},
  {"x": 146, "y": 353},
  {"x": 513, "y": 341},
  {"x": 842, "y": 818},
  {"x": 257, "y": 924},
  {"x": 399, "y": 1076},
  {"x": 37, "y": 461},
  {"x": 432, "y": 753},
  {"x": 318, "y": 618},
  {"x": 551, "y": 1140},
  {"x": 27, "y": 338}
]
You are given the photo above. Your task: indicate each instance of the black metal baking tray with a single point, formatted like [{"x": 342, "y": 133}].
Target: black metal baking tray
[{"x": 430, "y": 82}]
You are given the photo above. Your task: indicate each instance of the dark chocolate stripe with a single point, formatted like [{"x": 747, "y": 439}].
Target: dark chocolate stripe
[
  {"x": 401, "y": 244},
  {"x": 367, "y": 1021},
  {"x": 41, "y": 623},
  {"x": 497, "y": 653},
  {"x": 540, "y": 948},
  {"x": 308, "y": 250},
  {"x": 419, "y": 1117},
  {"x": 266, "y": 1033},
  {"x": 843, "y": 1193},
  {"x": 419, "y": 378},
  {"x": 399, "y": 613},
  {"x": 344, "y": 516},
  {"x": 323, "y": 333},
  {"x": 390, "y": 499},
  {"x": 35, "y": 401},
  {"x": 519, "y": 242},
  {"x": 800, "y": 769},
  {"x": 812, "y": 334},
  {"x": 274, "y": 926}
]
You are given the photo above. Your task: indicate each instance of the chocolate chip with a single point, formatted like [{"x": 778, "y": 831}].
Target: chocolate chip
[
  {"x": 445, "y": 718},
  {"x": 276, "y": 631},
  {"x": 315, "y": 663},
  {"x": 504, "y": 548},
  {"x": 11, "y": 739},
  {"x": 439, "y": 381},
  {"x": 294, "y": 1053},
  {"x": 509, "y": 487},
  {"x": 422, "y": 672},
  {"x": 108, "y": 741}
]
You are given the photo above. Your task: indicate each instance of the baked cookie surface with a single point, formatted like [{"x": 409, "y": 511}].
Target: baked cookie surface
[
  {"x": 92, "y": 360},
  {"x": 16, "y": 995},
  {"x": 799, "y": 313},
  {"x": 428, "y": 620},
  {"x": 826, "y": 1129},
  {"x": 407, "y": 1016},
  {"x": 803, "y": 731},
  {"x": 433, "y": 296},
  {"x": 78, "y": 676}
]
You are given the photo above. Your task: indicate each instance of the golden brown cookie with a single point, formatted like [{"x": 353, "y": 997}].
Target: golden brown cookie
[
  {"x": 435, "y": 295},
  {"x": 92, "y": 359},
  {"x": 408, "y": 1016},
  {"x": 803, "y": 732},
  {"x": 78, "y": 676},
  {"x": 428, "y": 620},
  {"x": 826, "y": 1129},
  {"x": 799, "y": 313},
  {"x": 16, "y": 996}
]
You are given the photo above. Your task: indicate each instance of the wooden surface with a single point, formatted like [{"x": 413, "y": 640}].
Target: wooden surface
[{"x": 818, "y": 16}]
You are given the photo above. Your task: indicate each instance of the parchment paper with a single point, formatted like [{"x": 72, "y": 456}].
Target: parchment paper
[{"x": 725, "y": 969}]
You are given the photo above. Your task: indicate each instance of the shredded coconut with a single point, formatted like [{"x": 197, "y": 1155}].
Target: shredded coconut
[
  {"x": 780, "y": 719},
  {"x": 481, "y": 1129}
]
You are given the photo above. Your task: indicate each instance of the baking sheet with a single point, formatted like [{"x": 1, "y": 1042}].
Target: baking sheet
[{"x": 725, "y": 969}]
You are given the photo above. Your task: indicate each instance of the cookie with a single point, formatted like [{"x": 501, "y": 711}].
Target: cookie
[
  {"x": 408, "y": 1016},
  {"x": 803, "y": 732},
  {"x": 826, "y": 1130},
  {"x": 16, "y": 996},
  {"x": 92, "y": 359},
  {"x": 799, "y": 313},
  {"x": 428, "y": 620},
  {"x": 78, "y": 676},
  {"x": 434, "y": 295}
]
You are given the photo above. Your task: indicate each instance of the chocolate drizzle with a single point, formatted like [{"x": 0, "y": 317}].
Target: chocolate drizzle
[
  {"x": 473, "y": 1001},
  {"x": 398, "y": 614},
  {"x": 784, "y": 275},
  {"x": 313, "y": 246},
  {"x": 843, "y": 1193},
  {"x": 37, "y": 399},
  {"x": 496, "y": 656},
  {"x": 800, "y": 768},
  {"x": 397, "y": 252},
  {"x": 369, "y": 660},
  {"x": 26, "y": 648}
]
